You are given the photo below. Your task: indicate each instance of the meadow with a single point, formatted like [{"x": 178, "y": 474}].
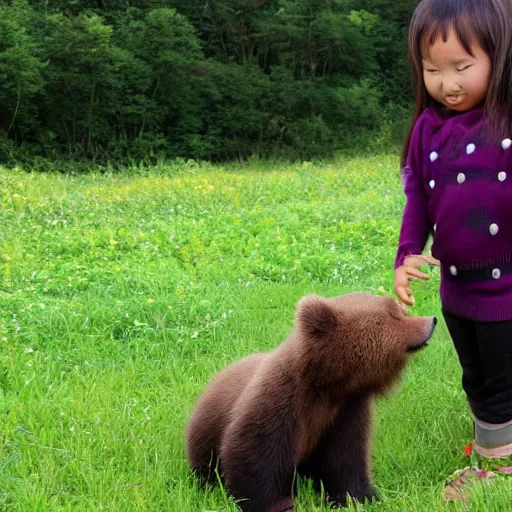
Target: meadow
[{"x": 122, "y": 294}]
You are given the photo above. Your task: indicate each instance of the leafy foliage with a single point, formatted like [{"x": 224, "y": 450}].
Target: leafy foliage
[{"x": 207, "y": 79}]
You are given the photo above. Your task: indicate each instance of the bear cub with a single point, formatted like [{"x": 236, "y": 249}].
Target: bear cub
[{"x": 306, "y": 406}]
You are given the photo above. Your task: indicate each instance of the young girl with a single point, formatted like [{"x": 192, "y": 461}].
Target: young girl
[{"x": 457, "y": 173}]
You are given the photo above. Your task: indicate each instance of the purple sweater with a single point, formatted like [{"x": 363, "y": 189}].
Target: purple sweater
[{"x": 459, "y": 189}]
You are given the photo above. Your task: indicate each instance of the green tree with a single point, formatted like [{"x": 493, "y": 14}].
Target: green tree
[
  {"x": 166, "y": 42},
  {"x": 80, "y": 69},
  {"x": 106, "y": 79},
  {"x": 20, "y": 73}
]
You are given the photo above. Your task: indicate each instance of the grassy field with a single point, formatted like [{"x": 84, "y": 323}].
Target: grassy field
[{"x": 122, "y": 295}]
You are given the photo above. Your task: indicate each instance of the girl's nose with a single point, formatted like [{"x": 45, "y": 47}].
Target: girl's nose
[{"x": 450, "y": 86}]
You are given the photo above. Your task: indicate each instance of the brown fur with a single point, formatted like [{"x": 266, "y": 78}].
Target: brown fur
[{"x": 306, "y": 405}]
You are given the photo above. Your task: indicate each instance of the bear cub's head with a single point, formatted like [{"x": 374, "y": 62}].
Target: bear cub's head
[{"x": 358, "y": 341}]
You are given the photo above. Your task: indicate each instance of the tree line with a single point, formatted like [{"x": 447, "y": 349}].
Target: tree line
[{"x": 108, "y": 80}]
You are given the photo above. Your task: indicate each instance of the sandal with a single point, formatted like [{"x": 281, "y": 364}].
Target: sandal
[{"x": 480, "y": 468}]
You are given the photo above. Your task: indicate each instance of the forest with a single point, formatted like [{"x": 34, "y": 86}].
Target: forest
[{"x": 113, "y": 80}]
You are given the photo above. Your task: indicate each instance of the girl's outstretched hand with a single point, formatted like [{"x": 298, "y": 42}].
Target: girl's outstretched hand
[{"x": 406, "y": 273}]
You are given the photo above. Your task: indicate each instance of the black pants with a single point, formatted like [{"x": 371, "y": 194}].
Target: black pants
[{"x": 485, "y": 354}]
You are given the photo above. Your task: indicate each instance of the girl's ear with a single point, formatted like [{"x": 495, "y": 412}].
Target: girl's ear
[{"x": 315, "y": 317}]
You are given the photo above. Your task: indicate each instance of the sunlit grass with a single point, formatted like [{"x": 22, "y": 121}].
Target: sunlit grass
[{"x": 123, "y": 294}]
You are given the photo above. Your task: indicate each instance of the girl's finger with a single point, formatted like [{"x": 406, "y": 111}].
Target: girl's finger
[
  {"x": 414, "y": 272},
  {"x": 431, "y": 261},
  {"x": 404, "y": 296},
  {"x": 414, "y": 261},
  {"x": 419, "y": 260},
  {"x": 403, "y": 307}
]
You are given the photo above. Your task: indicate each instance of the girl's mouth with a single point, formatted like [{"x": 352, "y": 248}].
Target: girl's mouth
[{"x": 454, "y": 99}]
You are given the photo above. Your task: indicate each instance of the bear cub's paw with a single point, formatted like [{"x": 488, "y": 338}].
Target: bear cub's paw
[{"x": 369, "y": 494}]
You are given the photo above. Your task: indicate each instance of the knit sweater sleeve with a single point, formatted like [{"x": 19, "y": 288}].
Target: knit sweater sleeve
[{"x": 415, "y": 222}]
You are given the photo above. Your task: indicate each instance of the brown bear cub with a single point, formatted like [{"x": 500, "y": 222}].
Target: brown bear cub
[{"x": 305, "y": 407}]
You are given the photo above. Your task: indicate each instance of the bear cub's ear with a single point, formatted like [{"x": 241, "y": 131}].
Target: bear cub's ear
[{"x": 315, "y": 317}]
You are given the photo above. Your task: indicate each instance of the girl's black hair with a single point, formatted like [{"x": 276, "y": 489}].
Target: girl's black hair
[{"x": 487, "y": 23}]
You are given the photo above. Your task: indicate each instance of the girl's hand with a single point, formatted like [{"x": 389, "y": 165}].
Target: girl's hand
[{"x": 406, "y": 273}]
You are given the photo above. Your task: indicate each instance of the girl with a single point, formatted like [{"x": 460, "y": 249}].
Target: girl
[{"x": 457, "y": 173}]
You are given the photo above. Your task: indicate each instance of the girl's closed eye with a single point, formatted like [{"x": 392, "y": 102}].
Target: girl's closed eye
[{"x": 464, "y": 68}]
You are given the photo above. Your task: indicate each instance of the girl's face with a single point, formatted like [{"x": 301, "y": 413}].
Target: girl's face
[{"x": 453, "y": 77}]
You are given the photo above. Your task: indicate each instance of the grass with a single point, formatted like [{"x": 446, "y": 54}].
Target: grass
[{"x": 123, "y": 294}]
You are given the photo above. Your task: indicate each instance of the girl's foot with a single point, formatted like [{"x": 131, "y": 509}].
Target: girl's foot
[
  {"x": 498, "y": 459},
  {"x": 455, "y": 486},
  {"x": 479, "y": 468},
  {"x": 501, "y": 452}
]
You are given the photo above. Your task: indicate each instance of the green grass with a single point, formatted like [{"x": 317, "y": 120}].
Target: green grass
[{"x": 122, "y": 295}]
